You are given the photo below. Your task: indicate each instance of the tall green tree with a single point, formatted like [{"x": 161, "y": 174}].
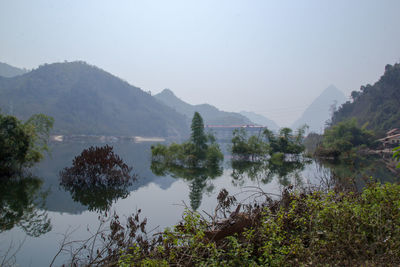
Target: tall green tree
[{"x": 198, "y": 137}]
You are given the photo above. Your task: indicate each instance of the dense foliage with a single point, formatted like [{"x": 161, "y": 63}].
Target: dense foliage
[
  {"x": 22, "y": 144},
  {"x": 84, "y": 99},
  {"x": 200, "y": 151},
  {"x": 343, "y": 138},
  {"x": 300, "y": 229},
  {"x": 375, "y": 106},
  {"x": 267, "y": 143},
  {"x": 97, "y": 177}
]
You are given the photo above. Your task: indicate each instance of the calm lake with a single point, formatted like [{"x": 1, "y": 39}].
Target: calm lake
[{"x": 36, "y": 212}]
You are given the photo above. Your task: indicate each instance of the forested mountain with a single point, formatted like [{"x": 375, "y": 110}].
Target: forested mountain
[
  {"x": 321, "y": 109},
  {"x": 211, "y": 115},
  {"x": 375, "y": 106},
  {"x": 10, "y": 71},
  {"x": 84, "y": 99},
  {"x": 260, "y": 120}
]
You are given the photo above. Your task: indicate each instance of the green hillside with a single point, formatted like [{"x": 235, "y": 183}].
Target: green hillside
[
  {"x": 84, "y": 99},
  {"x": 210, "y": 114},
  {"x": 375, "y": 106}
]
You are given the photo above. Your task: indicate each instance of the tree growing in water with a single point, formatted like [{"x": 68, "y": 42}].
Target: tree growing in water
[
  {"x": 267, "y": 143},
  {"x": 200, "y": 151},
  {"x": 197, "y": 160},
  {"x": 198, "y": 137},
  {"x": 97, "y": 177}
]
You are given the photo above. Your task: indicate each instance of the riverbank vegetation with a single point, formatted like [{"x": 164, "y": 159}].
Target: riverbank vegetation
[
  {"x": 22, "y": 143},
  {"x": 343, "y": 140},
  {"x": 301, "y": 228}
]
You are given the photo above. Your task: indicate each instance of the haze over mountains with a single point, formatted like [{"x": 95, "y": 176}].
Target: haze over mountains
[
  {"x": 260, "y": 120},
  {"x": 321, "y": 110},
  {"x": 10, "y": 71},
  {"x": 211, "y": 115},
  {"x": 84, "y": 99}
]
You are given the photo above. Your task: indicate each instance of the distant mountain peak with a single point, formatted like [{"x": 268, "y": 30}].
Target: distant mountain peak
[
  {"x": 320, "y": 109},
  {"x": 331, "y": 89},
  {"x": 167, "y": 92}
]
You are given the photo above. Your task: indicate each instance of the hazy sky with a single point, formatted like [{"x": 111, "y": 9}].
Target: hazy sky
[{"x": 270, "y": 57}]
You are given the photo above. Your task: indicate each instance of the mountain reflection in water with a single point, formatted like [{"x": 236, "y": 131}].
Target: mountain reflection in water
[{"x": 28, "y": 203}]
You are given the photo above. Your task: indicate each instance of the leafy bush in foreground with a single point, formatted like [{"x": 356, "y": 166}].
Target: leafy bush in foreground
[{"x": 307, "y": 228}]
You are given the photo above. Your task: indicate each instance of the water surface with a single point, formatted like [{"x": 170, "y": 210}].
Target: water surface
[{"x": 37, "y": 212}]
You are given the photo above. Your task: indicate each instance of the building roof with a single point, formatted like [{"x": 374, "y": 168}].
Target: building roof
[
  {"x": 389, "y": 137},
  {"x": 392, "y": 131}
]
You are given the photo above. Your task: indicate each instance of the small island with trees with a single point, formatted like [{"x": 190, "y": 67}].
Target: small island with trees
[{"x": 201, "y": 151}]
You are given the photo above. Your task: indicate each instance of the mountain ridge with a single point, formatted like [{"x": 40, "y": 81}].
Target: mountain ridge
[
  {"x": 84, "y": 99},
  {"x": 211, "y": 115},
  {"x": 9, "y": 71}
]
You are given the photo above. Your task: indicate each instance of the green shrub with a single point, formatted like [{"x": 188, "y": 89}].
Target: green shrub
[{"x": 300, "y": 229}]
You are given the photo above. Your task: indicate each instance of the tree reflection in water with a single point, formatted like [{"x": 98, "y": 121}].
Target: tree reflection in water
[
  {"x": 264, "y": 170},
  {"x": 359, "y": 170},
  {"x": 97, "y": 178},
  {"x": 198, "y": 177},
  {"x": 20, "y": 204}
]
